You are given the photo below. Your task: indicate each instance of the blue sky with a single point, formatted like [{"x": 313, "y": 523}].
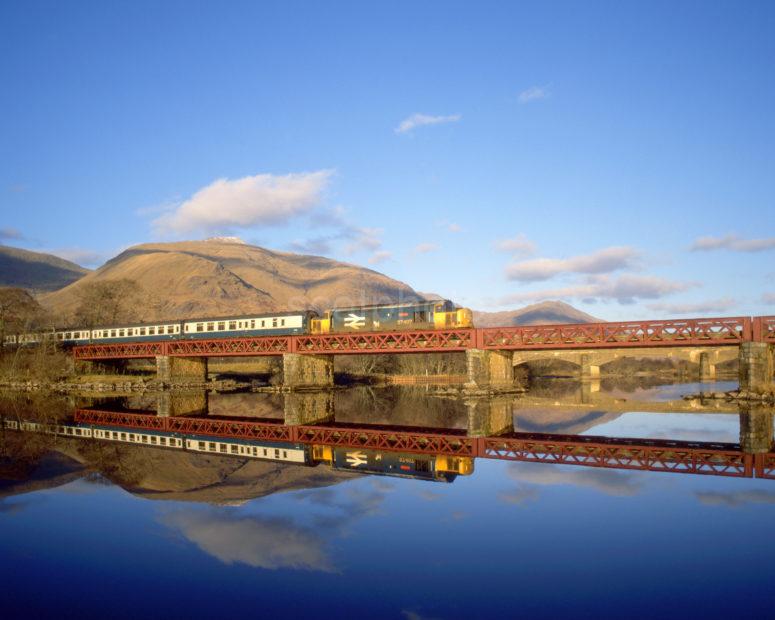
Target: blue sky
[{"x": 615, "y": 155}]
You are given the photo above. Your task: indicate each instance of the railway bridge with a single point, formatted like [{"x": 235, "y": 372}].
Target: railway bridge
[
  {"x": 752, "y": 456},
  {"x": 491, "y": 353}
]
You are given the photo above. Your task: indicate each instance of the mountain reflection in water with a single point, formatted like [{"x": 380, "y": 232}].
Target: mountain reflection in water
[{"x": 247, "y": 532}]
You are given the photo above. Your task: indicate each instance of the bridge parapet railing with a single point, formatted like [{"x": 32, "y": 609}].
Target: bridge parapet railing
[
  {"x": 764, "y": 329},
  {"x": 686, "y": 332},
  {"x": 424, "y": 341}
]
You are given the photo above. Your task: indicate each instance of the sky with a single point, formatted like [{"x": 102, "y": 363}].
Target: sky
[{"x": 615, "y": 155}]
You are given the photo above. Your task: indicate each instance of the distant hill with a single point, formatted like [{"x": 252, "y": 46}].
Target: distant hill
[
  {"x": 226, "y": 276},
  {"x": 544, "y": 313},
  {"x": 36, "y": 271}
]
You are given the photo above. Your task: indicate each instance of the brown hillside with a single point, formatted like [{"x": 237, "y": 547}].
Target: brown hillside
[
  {"x": 544, "y": 313},
  {"x": 36, "y": 271},
  {"x": 221, "y": 277}
]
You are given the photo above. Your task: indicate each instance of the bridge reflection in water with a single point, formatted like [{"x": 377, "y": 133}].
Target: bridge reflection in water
[{"x": 309, "y": 423}]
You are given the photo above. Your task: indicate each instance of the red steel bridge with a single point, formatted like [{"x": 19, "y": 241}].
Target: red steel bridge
[
  {"x": 686, "y": 457},
  {"x": 632, "y": 334}
]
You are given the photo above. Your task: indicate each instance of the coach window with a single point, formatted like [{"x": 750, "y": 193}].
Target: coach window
[
  {"x": 151, "y": 331},
  {"x": 221, "y": 325},
  {"x": 282, "y": 321},
  {"x": 200, "y": 327},
  {"x": 121, "y": 333},
  {"x": 170, "y": 329},
  {"x": 274, "y": 322},
  {"x": 232, "y": 324},
  {"x": 210, "y": 327}
]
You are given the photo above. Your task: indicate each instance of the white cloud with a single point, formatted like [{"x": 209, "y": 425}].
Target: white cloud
[
  {"x": 606, "y": 481},
  {"x": 379, "y": 257},
  {"x": 454, "y": 228},
  {"x": 518, "y": 246},
  {"x": 363, "y": 239},
  {"x": 733, "y": 243},
  {"x": 262, "y": 199},
  {"x": 262, "y": 542},
  {"x": 625, "y": 289},
  {"x": 736, "y": 498},
  {"x": 534, "y": 93},
  {"x": 421, "y": 120},
  {"x": 424, "y": 248},
  {"x": 704, "y": 307},
  {"x": 602, "y": 261},
  {"x": 317, "y": 245}
]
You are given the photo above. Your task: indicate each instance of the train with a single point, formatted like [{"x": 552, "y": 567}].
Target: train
[
  {"x": 420, "y": 315},
  {"x": 434, "y": 468}
]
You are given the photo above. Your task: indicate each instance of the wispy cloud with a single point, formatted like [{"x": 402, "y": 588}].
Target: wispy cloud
[
  {"x": 733, "y": 243},
  {"x": 602, "y": 261},
  {"x": 625, "y": 289},
  {"x": 10, "y": 234},
  {"x": 736, "y": 498},
  {"x": 517, "y": 246},
  {"x": 380, "y": 257},
  {"x": 262, "y": 199},
  {"x": 606, "y": 481},
  {"x": 534, "y": 93},
  {"x": 449, "y": 226},
  {"x": 703, "y": 307},
  {"x": 520, "y": 495},
  {"x": 364, "y": 239},
  {"x": 424, "y": 248},
  {"x": 422, "y": 120}
]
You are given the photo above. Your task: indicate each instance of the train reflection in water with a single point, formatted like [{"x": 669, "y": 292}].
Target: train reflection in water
[{"x": 436, "y": 468}]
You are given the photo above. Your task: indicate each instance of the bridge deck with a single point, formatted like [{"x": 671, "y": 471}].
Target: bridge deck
[
  {"x": 715, "y": 332},
  {"x": 689, "y": 457}
]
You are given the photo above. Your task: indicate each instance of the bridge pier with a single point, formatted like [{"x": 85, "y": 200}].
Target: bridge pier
[
  {"x": 308, "y": 408},
  {"x": 172, "y": 404},
  {"x": 707, "y": 368},
  {"x": 590, "y": 371},
  {"x": 489, "y": 369},
  {"x": 756, "y": 430},
  {"x": 308, "y": 371},
  {"x": 181, "y": 369},
  {"x": 490, "y": 417},
  {"x": 756, "y": 366}
]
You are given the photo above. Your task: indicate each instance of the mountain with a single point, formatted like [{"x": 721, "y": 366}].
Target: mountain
[
  {"x": 225, "y": 276},
  {"x": 544, "y": 313},
  {"x": 36, "y": 271}
]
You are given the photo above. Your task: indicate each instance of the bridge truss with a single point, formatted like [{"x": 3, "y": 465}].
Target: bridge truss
[
  {"x": 704, "y": 458},
  {"x": 669, "y": 333}
]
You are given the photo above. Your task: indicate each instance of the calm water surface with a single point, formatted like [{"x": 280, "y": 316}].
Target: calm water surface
[{"x": 89, "y": 529}]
